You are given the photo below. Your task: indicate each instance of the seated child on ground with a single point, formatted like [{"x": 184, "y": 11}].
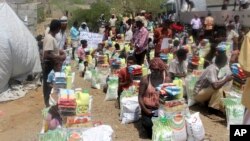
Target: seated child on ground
[{"x": 53, "y": 119}]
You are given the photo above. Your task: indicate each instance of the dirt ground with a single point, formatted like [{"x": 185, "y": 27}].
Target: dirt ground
[{"x": 21, "y": 119}]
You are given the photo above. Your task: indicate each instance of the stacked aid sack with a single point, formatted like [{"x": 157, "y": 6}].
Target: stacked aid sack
[
  {"x": 173, "y": 109},
  {"x": 168, "y": 91},
  {"x": 239, "y": 77},
  {"x": 67, "y": 102},
  {"x": 60, "y": 81}
]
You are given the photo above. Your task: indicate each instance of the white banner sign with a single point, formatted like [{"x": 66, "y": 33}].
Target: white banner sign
[{"x": 93, "y": 38}]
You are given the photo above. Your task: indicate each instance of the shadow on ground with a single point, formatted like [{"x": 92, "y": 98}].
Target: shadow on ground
[{"x": 141, "y": 130}]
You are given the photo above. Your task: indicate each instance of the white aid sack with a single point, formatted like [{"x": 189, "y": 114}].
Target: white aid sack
[
  {"x": 195, "y": 129},
  {"x": 179, "y": 128},
  {"x": 130, "y": 109},
  {"x": 18, "y": 48},
  {"x": 99, "y": 133}
]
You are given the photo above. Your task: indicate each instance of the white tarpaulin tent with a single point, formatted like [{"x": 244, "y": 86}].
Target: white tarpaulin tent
[{"x": 19, "y": 55}]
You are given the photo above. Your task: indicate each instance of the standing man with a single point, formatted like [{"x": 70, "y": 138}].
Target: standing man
[
  {"x": 112, "y": 23},
  {"x": 144, "y": 20},
  {"x": 61, "y": 36},
  {"x": 209, "y": 26},
  {"x": 51, "y": 55},
  {"x": 244, "y": 60},
  {"x": 74, "y": 33},
  {"x": 243, "y": 4},
  {"x": 236, "y": 23},
  {"x": 140, "y": 40},
  {"x": 196, "y": 26}
]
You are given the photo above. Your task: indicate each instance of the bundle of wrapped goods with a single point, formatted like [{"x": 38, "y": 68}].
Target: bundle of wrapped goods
[
  {"x": 78, "y": 121},
  {"x": 116, "y": 63},
  {"x": 135, "y": 71},
  {"x": 239, "y": 77},
  {"x": 67, "y": 102},
  {"x": 194, "y": 60},
  {"x": 169, "y": 91},
  {"x": 173, "y": 107},
  {"x": 237, "y": 71},
  {"x": 164, "y": 57},
  {"x": 60, "y": 81}
]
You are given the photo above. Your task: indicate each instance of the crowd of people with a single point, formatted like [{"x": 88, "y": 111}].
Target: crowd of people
[{"x": 144, "y": 35}]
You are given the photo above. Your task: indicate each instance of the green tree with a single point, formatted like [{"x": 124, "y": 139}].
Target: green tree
[
  {"x": 135, "y": 6},
  {"x": 91, "y": 16}
]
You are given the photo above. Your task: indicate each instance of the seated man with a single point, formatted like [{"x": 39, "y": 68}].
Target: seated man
[
  {"x": 124, "y": 77},
  {"x": 178, "y": 67},
  {"x": 209, "y": 87}
]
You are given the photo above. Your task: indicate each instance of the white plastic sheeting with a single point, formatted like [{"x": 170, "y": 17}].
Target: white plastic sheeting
[{"x": 19, "y": 55}]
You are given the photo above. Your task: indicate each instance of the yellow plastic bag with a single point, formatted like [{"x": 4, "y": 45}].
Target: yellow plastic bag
[
  {"x": 82, "y": 101},
  {"x": 179, "y": 83}
]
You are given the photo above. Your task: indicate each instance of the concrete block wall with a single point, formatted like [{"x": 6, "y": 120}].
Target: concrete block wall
[{"x": 22, "y": 9}]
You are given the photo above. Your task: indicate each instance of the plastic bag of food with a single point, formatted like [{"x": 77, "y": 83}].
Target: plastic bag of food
[
  {"x": 234, "y": 111},
  {"x": 195, "y": 129},
  {"x": 84, "y": 102},
  {"x": 95, "y": 81},
  {"x": 112, "y": 92},
  {"x": 190, "y": 84},
  {"x": 161, "y": 131},
  {"x": 81, "y": 67},
  {"x": 103, "y": 74},
  {"x": 88, "y": 75}
]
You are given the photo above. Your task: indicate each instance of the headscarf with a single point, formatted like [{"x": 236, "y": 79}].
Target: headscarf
[
  {"x": 157, "y": 63},
  {"x": 221, "y": 47}
]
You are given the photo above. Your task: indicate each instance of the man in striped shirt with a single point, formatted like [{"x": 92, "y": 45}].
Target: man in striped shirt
[{"x": 209, "y": 87}]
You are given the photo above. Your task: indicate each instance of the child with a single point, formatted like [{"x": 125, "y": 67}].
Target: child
[
  {"x": 125, "y": 80},
  {"x": 51, "y": 77},
  {"x": 82, "y": 55},
  {"x": 81, "y": 52},
  {"x": 178, "y": 67},
  {"x": 115, "y": 53},
  {"x": 53, "y": 119}
]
